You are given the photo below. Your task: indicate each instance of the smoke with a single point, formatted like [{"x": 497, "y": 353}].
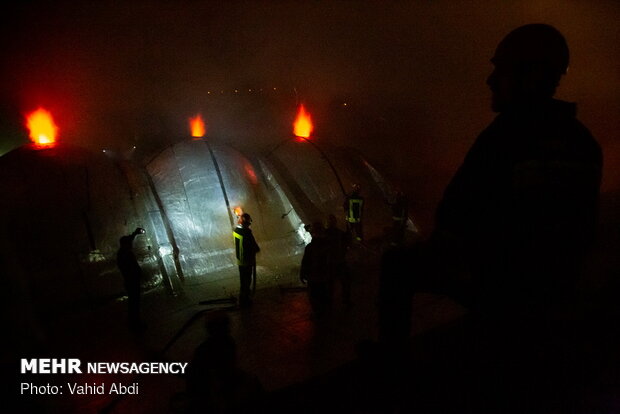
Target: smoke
[{"x": 402, "y": 81}]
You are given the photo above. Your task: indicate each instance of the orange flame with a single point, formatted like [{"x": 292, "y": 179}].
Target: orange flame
[
  {"x": 238, "y": 211},
  {"x": 42, "y": 128},
  {"x": 197, "y": 126},
  {"x": 302, "y": 127}
]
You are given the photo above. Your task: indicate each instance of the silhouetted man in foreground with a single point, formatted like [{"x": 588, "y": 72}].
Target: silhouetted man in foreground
[
  {"x": 512, "y": 230},
  {"x": 132, "y": 276},
  {"x": 523, "y": 205}
]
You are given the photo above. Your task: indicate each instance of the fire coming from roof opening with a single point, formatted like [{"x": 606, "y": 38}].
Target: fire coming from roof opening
[
  {"x": 302, "y": 127},
  {"x": 197, "y": 126},
  {"x": 43, "y": 129}
]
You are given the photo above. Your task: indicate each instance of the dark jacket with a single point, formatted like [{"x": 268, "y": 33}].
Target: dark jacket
[
  {"x": 524, "y": 202},
  {"x": 315, "y": 264},
  {"x": 338, "y": 241},
  {"x": 128, "y": 264},
  {"x": 532, "y": 172},
  {"x": 245, "y": 246}
]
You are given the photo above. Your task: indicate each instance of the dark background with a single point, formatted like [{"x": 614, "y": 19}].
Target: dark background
[{"x": 412, "y": 74}]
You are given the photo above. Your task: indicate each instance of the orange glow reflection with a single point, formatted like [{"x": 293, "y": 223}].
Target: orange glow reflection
[
  {"x": 251, "y": 174},
  {"x": 197, "y": 126},
  {"x": 43, "y": 130},
  {"x": 302, "y": 127}
]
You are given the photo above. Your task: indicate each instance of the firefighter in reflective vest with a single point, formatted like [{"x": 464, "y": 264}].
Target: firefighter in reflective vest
[
  {"x": 245, "y": 249},
  {"x": 353, "y": 209}
]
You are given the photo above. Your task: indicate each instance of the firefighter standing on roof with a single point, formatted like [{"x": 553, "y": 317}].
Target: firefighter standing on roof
[
  {"x": 353, "y": 209},
  {"x": 245, "y": 249}
]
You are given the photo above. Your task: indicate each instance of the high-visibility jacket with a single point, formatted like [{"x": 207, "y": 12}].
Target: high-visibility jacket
[
  {"x": 354, "y": 209},
  {"x": 245, "y": 246}
]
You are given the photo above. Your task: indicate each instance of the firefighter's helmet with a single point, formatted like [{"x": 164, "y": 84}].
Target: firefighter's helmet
[{"x": 245, "y": 219}]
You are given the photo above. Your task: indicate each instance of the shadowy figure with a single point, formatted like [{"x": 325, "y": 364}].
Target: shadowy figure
[
  {"x": 394, "y": 299},
  {"x": 339, "y": 242},
  {"x": 132, "y": 277},
  {"x": 214, "y": 382},
  {"x": 245, "y": 250},
  {"x": 524, "y": 202},
  {"x": 400, "y": 214},
  {"x": 315, "y": 270},
  {"x": 353, "y": 210},
  {"x": 512, "y": 230}
]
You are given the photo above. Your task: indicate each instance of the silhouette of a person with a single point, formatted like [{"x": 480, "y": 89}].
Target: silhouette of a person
[
  {"x": 214, "y": 382},
  {"x": 315, "y": 270},
  {"x": 245, "y": 250},
  {"x": 132, "y": 276},
  {"x": 353, "y": 209},
  {"x": 523, "y": 205},
  {"x": 339, "y": 241},
  {"x": 400, "y": 215},
  {"x": 515, "y": 223}
]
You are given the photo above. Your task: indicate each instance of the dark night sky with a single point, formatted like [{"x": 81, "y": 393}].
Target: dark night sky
[{"x": 413, "y": 74}]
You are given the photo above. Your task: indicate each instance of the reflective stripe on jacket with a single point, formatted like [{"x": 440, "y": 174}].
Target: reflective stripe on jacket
[
  {"x": 354, "y": 214},
  {"x": 245, "y": 246},
  {"x": 239, "y": 248}
]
